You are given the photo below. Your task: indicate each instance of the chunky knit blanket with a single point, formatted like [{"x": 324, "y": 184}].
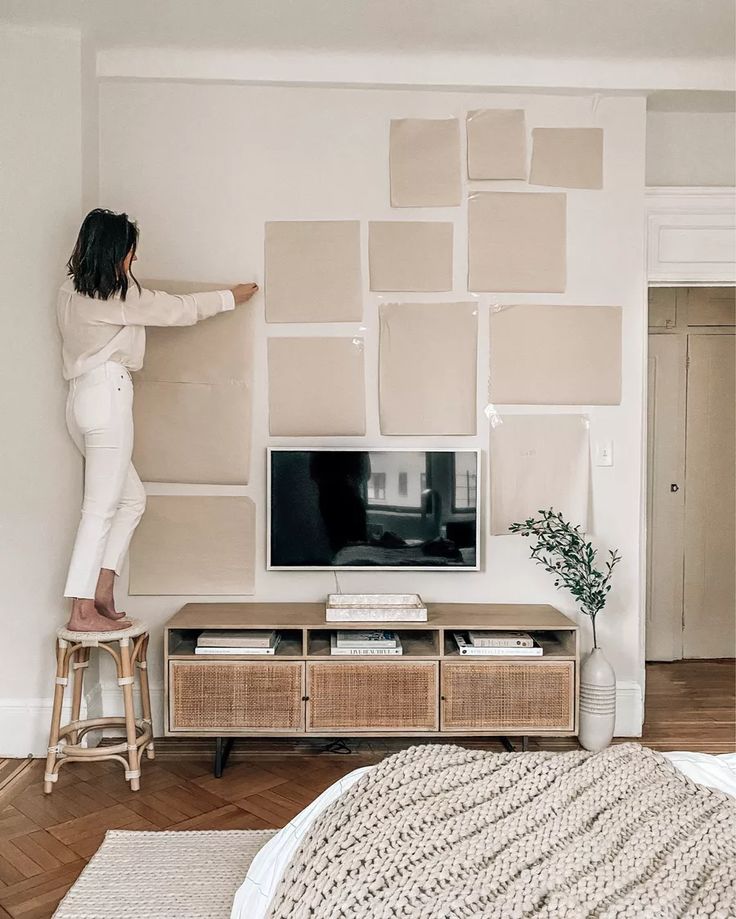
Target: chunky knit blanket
[{"x": 441, "y": 832}]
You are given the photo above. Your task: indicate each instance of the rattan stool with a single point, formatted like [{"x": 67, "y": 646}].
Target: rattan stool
[{"x": 73, "y": 650}]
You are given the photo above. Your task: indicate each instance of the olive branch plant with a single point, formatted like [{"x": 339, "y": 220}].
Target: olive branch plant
[{"x": 563, "y": 551}]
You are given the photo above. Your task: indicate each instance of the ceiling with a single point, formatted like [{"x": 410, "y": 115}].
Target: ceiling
[{"x": 600, "y": 29}]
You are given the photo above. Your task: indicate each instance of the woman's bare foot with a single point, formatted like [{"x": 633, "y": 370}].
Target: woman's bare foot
[
  {"x": 107, "y": 609},
  {"x": 85, "y": 618},
  {"x": 104, "y": 595}
]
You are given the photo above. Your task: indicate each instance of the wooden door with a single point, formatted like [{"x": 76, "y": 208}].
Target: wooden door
[
  {"x": 710, "y": 507},
  {"x": 666, "y": 495}
]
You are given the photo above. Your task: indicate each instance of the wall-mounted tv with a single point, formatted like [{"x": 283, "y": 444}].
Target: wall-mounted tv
[{"x": 385, "y": 508}]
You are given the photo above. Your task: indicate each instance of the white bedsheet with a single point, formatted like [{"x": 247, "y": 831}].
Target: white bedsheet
[{"x": 255, "y": 894}]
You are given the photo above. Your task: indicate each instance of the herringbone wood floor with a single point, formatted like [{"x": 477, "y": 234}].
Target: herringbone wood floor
[{"x": 46, "y": 841}]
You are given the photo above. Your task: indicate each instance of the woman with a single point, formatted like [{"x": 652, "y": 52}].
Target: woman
[{"x": 102, "y": 312}]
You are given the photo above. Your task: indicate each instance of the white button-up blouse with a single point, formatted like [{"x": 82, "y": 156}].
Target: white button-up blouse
[{"x": 95, "y": 331}]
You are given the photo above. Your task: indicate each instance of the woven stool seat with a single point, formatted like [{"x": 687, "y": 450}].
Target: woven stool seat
[
  {"x": 92, "y": 639},
  {"x": 73, "y": 651}
]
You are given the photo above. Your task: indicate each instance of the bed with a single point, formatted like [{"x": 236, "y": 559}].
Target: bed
[{"x": 339, "y": 854}]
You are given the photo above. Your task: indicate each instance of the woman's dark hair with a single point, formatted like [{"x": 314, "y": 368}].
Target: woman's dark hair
[{"x": 96, "y": 264}]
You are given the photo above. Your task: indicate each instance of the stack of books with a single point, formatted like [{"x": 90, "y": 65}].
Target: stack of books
[
  {"x": 498, "y": 644},
  {"x": 247, "y": 641},
  {"x": 371, "y": 641}
]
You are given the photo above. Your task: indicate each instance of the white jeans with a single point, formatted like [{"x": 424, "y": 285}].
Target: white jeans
[{"x": 99, "y": 415}]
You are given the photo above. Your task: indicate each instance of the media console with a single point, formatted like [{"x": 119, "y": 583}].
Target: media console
[{"x": 429, "y": 691}]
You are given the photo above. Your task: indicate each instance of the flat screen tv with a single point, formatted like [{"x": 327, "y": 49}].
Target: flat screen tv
[{"x": 386, "y": 508}]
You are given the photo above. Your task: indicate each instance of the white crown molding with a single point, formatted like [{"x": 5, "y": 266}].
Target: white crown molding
[{"x": 416, "y": 70}]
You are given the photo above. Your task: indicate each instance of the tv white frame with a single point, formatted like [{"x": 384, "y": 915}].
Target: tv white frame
[{"x": 368, "y": 568}]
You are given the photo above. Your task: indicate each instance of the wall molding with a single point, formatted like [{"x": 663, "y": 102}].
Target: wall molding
[
  {"x": 691, "y": 236},
  {"x": 629, "y": 709},
  {"x": 24, "y": 725},
  {"x": 410, "y": 70}
]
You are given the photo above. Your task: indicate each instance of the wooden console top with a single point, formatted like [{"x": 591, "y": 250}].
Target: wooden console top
[{"x": 528, "y": 617}]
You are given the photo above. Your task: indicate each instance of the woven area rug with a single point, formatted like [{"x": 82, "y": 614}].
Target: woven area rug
[{"x": 163, "y": 875}]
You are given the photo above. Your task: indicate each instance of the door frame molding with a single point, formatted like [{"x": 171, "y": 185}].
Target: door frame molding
[
  {"x": 680, "y": 222},
  {"x": 691, "y": 236}
]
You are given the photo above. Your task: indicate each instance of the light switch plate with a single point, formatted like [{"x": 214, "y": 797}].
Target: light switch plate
[{"x": 604, "y": 453}]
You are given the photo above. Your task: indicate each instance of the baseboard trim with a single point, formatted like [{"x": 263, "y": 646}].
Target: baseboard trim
[
  {"x": 629, "y": 709},
  {"x": 24, "y": 726}
]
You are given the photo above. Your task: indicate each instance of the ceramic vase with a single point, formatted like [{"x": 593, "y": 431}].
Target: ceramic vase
[{"x": 597, "y": 701}]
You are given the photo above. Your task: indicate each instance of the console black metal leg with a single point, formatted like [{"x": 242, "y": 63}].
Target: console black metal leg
[
  {"x": 336, "y": 746},
  {"x": 510, "y": 748},
  {"x": 223, "y": 746}
]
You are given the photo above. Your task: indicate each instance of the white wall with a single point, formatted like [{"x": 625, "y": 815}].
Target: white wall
[
  {"x": 203, "y": 165},
  {"x": 691, "y": 148},
  {"x": 40, "y": 471}
]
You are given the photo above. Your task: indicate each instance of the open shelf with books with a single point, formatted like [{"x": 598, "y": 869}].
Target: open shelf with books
[
  {"x": 324, "y": 643},
  {"x": 557, "y": 645},
  {"x": 187, "y": 643}
]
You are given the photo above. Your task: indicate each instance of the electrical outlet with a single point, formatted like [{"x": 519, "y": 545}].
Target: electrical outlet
[{"x": 604, "y": 453}]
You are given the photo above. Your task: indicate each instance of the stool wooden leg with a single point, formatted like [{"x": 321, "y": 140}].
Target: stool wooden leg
[
  {"x": 126, "y": 679},
  {"x": 62, "y": 678},
  {"x": 79, "y": 662},
  {"x": 145, "y": 692}
]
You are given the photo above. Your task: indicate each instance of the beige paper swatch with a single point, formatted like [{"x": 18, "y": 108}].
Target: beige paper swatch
[
  {"x": 555, "y": 355},
  {"x": 410, "y": 255},
  {"x": 567, "y": 157},
  {"x": 313, "y": 271},
  {"x": 539, "y": 462},
  {"x": 218, "y": 350},
  {"x": 517, "y": 242},
  {"x": 194, "y": 546},
  {"x": 428, "y": 368},
  {"x": 316, "y": 386},
  {"x": 496, "y": 144},
  {"x": 192, "y": 404},
  {"x": 424, "y": 159},
  {"x": 192, "y": 432}
]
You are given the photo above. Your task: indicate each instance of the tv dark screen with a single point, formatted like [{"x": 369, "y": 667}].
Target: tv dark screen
[{"x": 373, "y": 508}]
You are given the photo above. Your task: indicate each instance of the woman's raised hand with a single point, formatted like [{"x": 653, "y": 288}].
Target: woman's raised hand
[{"x": 243, "y": 292}]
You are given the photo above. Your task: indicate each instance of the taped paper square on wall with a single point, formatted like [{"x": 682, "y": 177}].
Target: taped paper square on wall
[
  {"x": 555, "y": 355},
  {"x": 496, "y": 144},
  {"x": 316, "y": 386},
  {"x": 424, "y": 161},
  {"x": 410, "y": 255},
  {"x": 194, "y": 546},
  {"x": 567, "y": 157},
  {"x": 313, "y": 271},
  {"x": 538, "y": 462},
  {"x": 192, "y": 404},
  {"x": 218, "y": 350},
  {"x": 192, "y": 432},
  {"x": 517, "y": 242},
  {"x": 428, "y": 368}
]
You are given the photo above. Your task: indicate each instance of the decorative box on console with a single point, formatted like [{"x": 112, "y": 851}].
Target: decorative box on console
[{"x": 375, "y": 608}]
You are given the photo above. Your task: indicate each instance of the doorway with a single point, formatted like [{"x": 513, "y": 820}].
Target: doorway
[{"x": 691, "y": 487}]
